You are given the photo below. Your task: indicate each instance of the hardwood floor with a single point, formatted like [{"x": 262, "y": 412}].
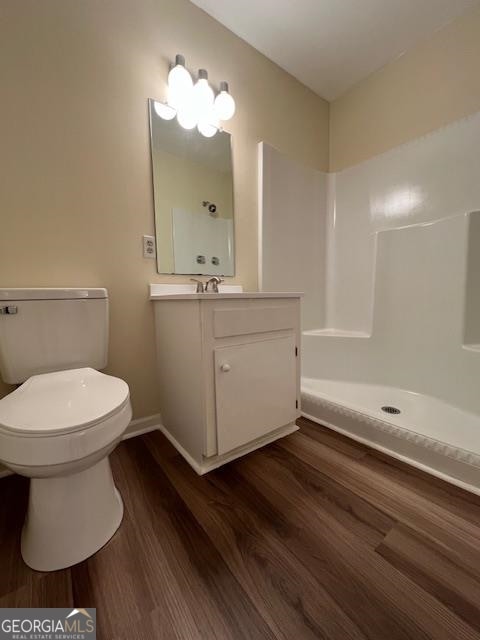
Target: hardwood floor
[{"x": 314, "y": 536}]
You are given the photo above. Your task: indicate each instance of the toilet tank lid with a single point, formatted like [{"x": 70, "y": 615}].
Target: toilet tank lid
[{"x": 58, "y": 293}]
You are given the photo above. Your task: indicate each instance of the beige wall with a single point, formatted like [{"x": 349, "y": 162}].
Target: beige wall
[
  {"x": 75, "y": 192},
  {"x": 429, "y": 86}
]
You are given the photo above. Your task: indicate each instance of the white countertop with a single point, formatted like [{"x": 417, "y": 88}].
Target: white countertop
[{"x": 226, "y": 292}]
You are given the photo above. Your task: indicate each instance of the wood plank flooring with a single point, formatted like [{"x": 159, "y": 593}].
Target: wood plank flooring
[{"x": 315, "y": 536}]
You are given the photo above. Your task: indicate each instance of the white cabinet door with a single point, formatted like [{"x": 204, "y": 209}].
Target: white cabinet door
[{"x": 256, "y": 390}]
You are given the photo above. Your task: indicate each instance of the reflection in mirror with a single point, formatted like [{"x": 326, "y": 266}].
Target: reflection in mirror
[{"x": 193, "y": 196}]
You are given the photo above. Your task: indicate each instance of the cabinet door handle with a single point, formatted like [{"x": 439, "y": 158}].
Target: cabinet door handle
[{"x": 225, "y": 367}]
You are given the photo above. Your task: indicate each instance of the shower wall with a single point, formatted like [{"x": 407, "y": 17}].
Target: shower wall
[
  {"x": 418, "y": 334},
  {"x": 401, "y": 246},
  {"x": 472, "y": 297},
  {"x": 432, "y": 177},
  {"x": 293, "y": 211}
]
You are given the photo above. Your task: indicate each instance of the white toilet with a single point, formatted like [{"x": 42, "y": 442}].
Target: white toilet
[{"x": 60, "y": 425}]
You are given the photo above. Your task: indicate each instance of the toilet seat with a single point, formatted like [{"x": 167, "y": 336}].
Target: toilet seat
[
  {"x": 62, "y": 417},
  {"x": 62, "y": 402}
]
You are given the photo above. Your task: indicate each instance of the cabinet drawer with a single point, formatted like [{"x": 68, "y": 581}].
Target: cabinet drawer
[{"x": 258, "y": 319}]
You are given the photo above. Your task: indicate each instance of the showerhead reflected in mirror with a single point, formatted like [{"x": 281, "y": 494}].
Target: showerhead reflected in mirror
[{"x": 193, "y": 197}]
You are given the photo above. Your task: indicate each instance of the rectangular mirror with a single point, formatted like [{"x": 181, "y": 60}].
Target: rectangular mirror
[{"x": 193, "y": 197}]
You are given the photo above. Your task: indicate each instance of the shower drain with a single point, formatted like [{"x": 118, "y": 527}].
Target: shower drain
[{"x": 389, "y": 409}]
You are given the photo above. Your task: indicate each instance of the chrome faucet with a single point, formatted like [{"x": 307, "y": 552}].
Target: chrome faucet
[
  {"x": 200, "y": 286},
  {"x": 215, "y": 281}
]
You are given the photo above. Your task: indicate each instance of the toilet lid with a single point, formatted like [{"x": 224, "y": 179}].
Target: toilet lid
[{"x": 62, "y": 401}]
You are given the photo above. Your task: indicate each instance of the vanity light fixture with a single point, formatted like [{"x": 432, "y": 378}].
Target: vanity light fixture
[{"x": 195, "y": 105}]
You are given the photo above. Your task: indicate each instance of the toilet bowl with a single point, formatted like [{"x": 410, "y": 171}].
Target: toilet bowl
[{"x": 58, "y": 429}]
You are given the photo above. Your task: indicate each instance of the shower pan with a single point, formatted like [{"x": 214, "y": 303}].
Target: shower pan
[{"x": 411, "y": 386}]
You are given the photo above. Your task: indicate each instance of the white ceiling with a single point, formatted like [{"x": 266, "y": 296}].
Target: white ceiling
[{"x": 330, "y": 45}]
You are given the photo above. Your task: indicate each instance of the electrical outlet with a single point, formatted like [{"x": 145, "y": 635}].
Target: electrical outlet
[{"x": 149, "y": 248}]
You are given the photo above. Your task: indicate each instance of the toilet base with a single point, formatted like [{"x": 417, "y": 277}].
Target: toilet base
[{"x": 70, "y": 517}]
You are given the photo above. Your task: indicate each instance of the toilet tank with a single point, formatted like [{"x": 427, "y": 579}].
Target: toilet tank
[{"x": 44, "y": 330}]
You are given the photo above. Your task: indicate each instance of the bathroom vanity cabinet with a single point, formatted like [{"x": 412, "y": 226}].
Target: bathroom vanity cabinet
[{"x": 229, "y": 371}]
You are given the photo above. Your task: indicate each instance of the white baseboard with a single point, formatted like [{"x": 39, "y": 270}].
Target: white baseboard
[
  {"x": 136, "y": 428},
  {"x": 142, "y": 425},
  {"x": 217, "y": 461}
]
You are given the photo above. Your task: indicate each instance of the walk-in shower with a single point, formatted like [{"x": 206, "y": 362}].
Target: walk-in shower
[{"x": 391, "y": 340}]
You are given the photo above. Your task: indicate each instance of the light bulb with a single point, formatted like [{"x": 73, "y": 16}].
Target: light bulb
[
  {"x": 224, "y": 103},
  {"x": 202, "y": 95},
  {"x": 208, "y": 127},
  {"x": 164, "y": 111},
  {"x": 178, "y": 76},
  {"x": 177, "y": 97},
  {"x": 180, "y": 83},
  {"x": 187, "y": 117}
]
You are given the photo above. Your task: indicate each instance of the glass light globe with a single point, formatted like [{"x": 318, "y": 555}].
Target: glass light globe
[
  {"x": 203, "y": 95},
  {"x": 224, "y": 103},
  {"x": 164, "y": 111},
  {"x": 207, "y": 128},
  {"x": 187, "y": 117},
  {"x": 180, "y": 83},
  {"x": 177, "y": 97},
  {"x": 178, "y": 77}
]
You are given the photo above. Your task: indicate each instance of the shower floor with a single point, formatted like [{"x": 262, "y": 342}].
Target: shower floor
[{"x": 423, "y": 431}]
